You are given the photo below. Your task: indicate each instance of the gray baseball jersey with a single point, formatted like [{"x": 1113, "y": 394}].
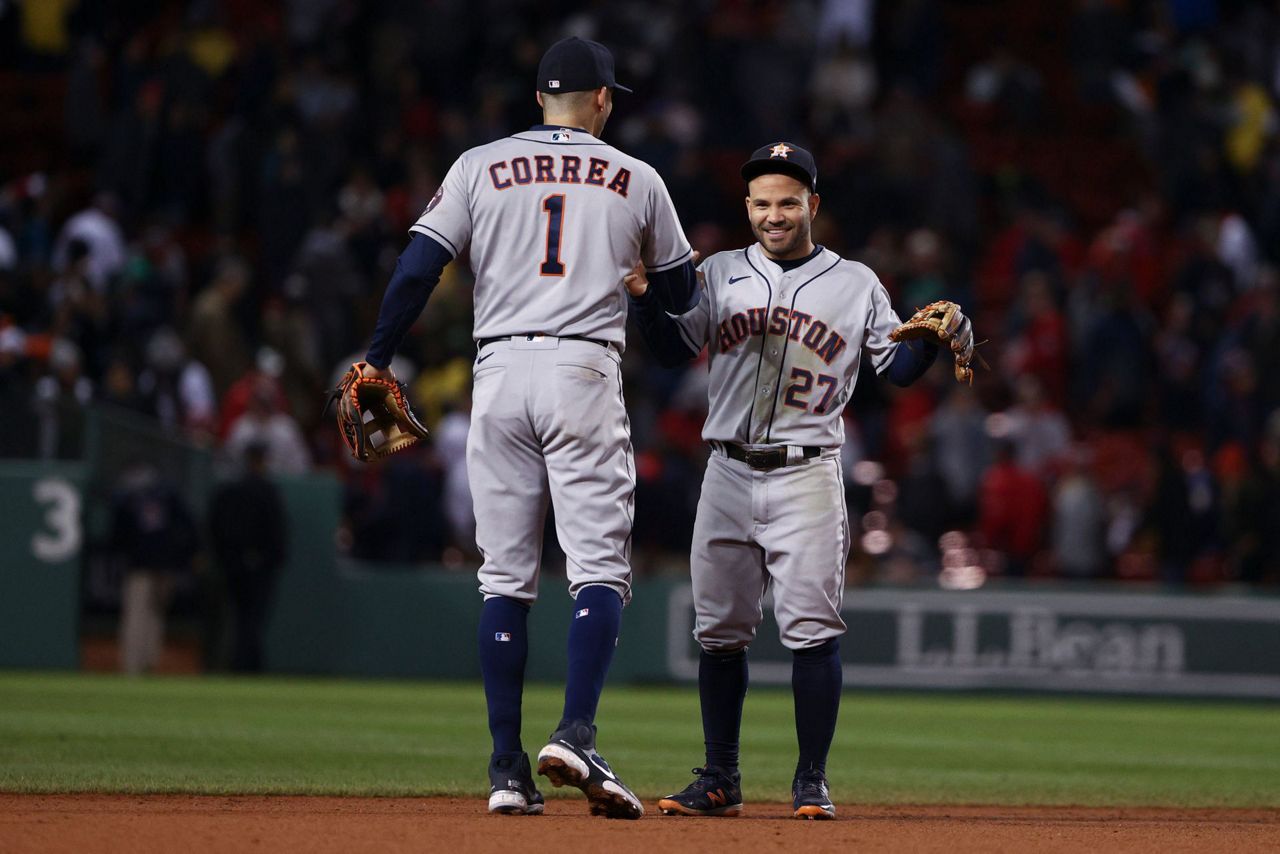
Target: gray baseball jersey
[
  {"x": 554, "y": 219},
  {"x": 785, "y": 348}
]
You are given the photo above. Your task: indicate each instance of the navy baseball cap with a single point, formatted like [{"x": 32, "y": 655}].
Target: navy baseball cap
[
  {"x": 782, "y": 158},
  {"x": 576, "y": 65}
]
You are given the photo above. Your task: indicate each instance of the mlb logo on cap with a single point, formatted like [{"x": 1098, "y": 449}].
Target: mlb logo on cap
[
  {"x": 577, "y": 65},
  {"x": 582, "y": 613},
  {"x": 502, "y": 636}
]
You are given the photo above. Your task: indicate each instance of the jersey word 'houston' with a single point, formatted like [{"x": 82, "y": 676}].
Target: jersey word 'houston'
[
  {"x": 785, "y": 345},
  {"x": 819, "y": 337}
]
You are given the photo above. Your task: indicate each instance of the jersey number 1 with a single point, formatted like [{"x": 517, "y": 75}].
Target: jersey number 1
[{"x": 554, "y": 208}]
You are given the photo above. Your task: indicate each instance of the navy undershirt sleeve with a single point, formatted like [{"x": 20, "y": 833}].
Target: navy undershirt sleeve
[
  {"x": 417, "y": 273},
  {"x": 910, "y": 361},
  {"x": 675, "y": 289},
  {"x": 660, "y": 331}
]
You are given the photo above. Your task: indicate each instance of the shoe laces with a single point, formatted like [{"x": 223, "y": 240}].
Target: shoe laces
[
  {"x": 811, "y": 783},
  {"x": 712, "y": 775}
]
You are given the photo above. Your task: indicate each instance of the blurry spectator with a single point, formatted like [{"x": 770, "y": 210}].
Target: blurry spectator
[
  {"x": 286, "y": 194},
  {"x": 960, "y": 441},
  {"x": 1079, "y": 520},
  {"x": 1040, "y": 345},
  {"x": 178, "y": 391},
  {"x": 97, "y": 228},
  {"x": 1038, "y": 430},
  {"x": 1013, "y": 509},
  {"x": 247, "y": 528},
  {"x": 1178, "y": 366},
  {"x": 216, "y": 337},
  {"x": 1010, "y": 86},
  {"x": 925, "y": 281},
  {"x": 1098, "y": 47},
  {"x": 79, "y": 310},
  {"x": 62, "y": 399},
  {"x": 267, "y": 369},
  {"x": 1260, "y": 336},
  {"x": 1237, "y": 250},
  {"x": 1232, "y": 405},
  {"x": 850, "y": 22},
  {"x": 333, "y": 280},
  {"x": 1170, "y": 519},
  {"x": 8, "y": 251},
  {"x": 922, "y": 493},
  {"x": 263, "y": 423},
  {"x": 154, "y": 536},
  {"x": 843, "y": 87},
  {"x": 289, "y": 330},
  {"x": 1114, "y": 373},
  {"x": 120, "y": 385},
  {"x": 17, "y": 440}
]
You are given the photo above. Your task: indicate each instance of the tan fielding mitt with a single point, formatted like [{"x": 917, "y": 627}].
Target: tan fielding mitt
[
  {"x": 374, "y": 417},
  {"x": 943, "y": 321}
]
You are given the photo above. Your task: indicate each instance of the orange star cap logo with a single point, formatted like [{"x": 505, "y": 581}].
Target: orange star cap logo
[{"x": 780, "y": 150}]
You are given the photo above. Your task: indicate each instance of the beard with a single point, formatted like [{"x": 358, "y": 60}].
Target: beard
[{"x": 789, "y": 243}]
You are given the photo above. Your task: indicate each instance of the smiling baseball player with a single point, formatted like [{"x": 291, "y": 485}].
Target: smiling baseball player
[
  {"x": 554, "y": 219},
  {"x": 786, "y": 323}
]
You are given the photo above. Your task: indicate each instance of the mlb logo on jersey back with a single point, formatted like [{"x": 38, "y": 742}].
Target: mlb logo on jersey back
[
  {"x": 578, "y": 615},
  {"x": 502, "y": 636},
  {"x": 560, "y": 136}
]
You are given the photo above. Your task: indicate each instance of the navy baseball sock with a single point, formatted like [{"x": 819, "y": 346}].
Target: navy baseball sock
[
  {"x": 816, "y": 679},
  {"x": 722, "y": 686},
  {"x": 504, "y": 647},
  {"x": 593, "y": 635}
]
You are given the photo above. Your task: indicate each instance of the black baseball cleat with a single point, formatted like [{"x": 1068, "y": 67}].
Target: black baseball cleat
[
  {"x": 511, "y": 788},
  {"x": 570, "y": 759},
  {"x": 809, "y": 796},
  {"x": 713, "y": 793}
]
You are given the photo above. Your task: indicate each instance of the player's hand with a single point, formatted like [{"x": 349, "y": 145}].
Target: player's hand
[
  {"x": 635, "y": 281},
  {"x": 378, "y": 373}
]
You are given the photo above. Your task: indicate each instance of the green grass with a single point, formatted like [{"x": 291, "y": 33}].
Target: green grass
[{"x": 76, "y": 733}]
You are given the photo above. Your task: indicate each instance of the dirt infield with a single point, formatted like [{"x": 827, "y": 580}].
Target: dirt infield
[{"x": 164, "y": 823}]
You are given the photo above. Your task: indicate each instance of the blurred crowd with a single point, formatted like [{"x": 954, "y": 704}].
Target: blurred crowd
[{"x": 201, "y": 202}]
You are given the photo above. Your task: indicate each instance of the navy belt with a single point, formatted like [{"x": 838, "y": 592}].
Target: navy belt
[
  {"x": 485, "y": 342},
  {"x": 766, "y": 458}
]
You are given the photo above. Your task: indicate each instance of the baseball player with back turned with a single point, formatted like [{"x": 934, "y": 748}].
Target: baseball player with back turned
[
  {"x": 787, "y": 323},
  {"x": 554, "y": 219}
]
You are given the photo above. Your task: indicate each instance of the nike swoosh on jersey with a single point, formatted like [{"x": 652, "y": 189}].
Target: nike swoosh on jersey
[
  {"x": 737, "y": 279},
  {"x": 482, "y": 358}
]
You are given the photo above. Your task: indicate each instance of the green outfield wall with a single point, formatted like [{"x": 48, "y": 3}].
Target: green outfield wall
[
  {"x": 341, "y": 617},
  {"x": 41, "y": 542}
]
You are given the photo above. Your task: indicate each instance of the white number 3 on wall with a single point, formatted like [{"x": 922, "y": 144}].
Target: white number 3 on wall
[{"x": 61, "y": 501}]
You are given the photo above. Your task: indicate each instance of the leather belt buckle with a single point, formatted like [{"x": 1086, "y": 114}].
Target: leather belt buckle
[{"x": 766, "y": 458}]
